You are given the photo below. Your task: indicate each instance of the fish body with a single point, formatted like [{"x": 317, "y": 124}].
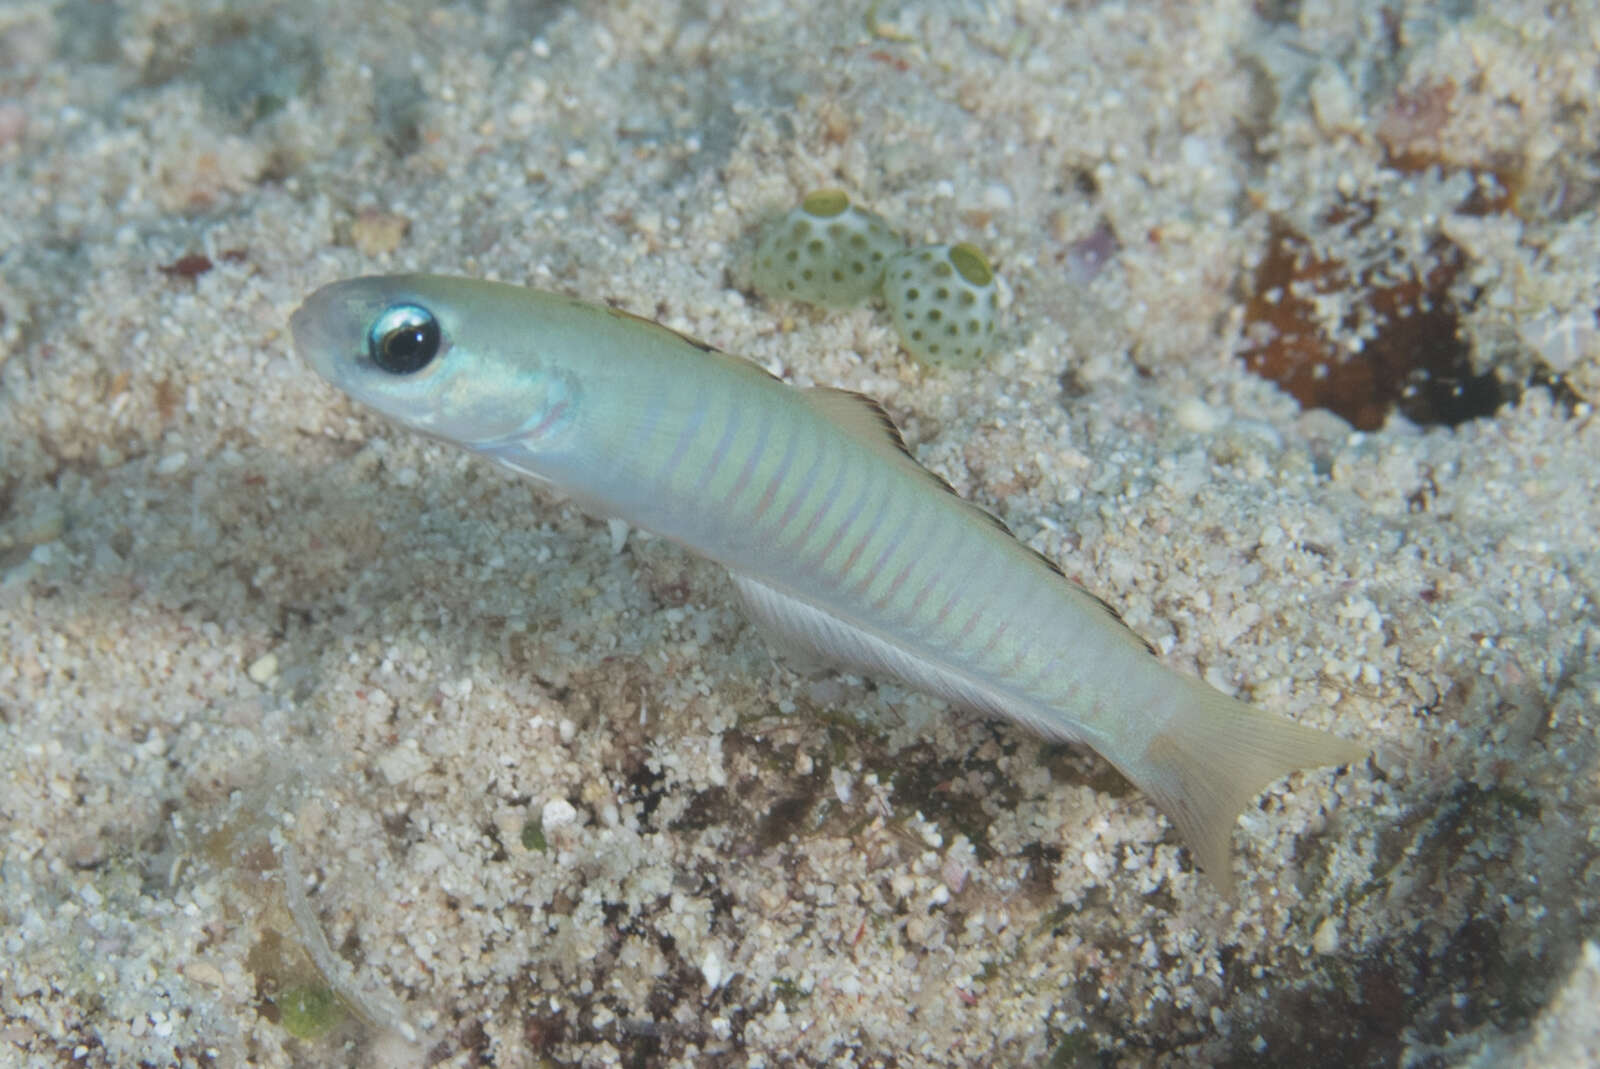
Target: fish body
[{"x": 837, "y": 540}]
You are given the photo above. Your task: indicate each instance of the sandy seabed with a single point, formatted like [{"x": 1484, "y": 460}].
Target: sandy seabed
[{"x": 324, "y": 745}]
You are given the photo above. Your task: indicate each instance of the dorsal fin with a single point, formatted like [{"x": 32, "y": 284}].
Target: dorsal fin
[
  {"x": 1111, "y": 611},
  {"x": 622, "y": 313},
  {"x": 861, "y": 415},
  {"x": 865, "y": 419}
]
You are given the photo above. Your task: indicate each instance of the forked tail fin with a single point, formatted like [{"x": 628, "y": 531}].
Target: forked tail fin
[{"x": 1213, "y": 756}]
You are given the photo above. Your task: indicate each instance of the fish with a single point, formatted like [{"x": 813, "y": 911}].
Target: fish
[{"x": 838, "y": 542}]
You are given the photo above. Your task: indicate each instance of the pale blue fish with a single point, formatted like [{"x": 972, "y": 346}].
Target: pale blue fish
[{"x": 839, "y": 542}]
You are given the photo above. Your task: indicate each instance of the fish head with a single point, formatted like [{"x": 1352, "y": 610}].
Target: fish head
[{"x": 437, "y": 355}]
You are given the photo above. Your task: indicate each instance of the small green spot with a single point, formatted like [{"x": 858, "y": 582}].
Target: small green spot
[
  {"x": 308, "y": 1011},
  {"x": 788, "y": 990},
  {"x": 825, "y": 203},
  {"x": 1077, "y": 1049},
  {"x": 533, "y": 837},
  {"x": 972, "y": 264}
]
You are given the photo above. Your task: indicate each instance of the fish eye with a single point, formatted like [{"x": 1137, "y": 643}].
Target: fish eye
[{"x": 404, "y": 339}]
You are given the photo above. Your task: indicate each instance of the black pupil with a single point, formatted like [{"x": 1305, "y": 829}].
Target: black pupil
[{"x": 407, "y": 347}]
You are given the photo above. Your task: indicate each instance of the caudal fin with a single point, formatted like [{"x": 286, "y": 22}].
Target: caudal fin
[{"x": 1213, "y": 756}]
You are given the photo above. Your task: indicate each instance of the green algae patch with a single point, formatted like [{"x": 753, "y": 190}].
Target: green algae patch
[{"x": 309, "y": 1011}]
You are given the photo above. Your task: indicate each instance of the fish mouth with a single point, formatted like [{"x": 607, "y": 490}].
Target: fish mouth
[
  {"x": 328, "y": 328},
  {"x": 313, "y": 338}
]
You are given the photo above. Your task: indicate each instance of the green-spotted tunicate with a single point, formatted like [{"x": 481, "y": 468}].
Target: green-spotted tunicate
[
  {"x": 942, "y": 300},
  {"x": 827, "y": 251}
]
